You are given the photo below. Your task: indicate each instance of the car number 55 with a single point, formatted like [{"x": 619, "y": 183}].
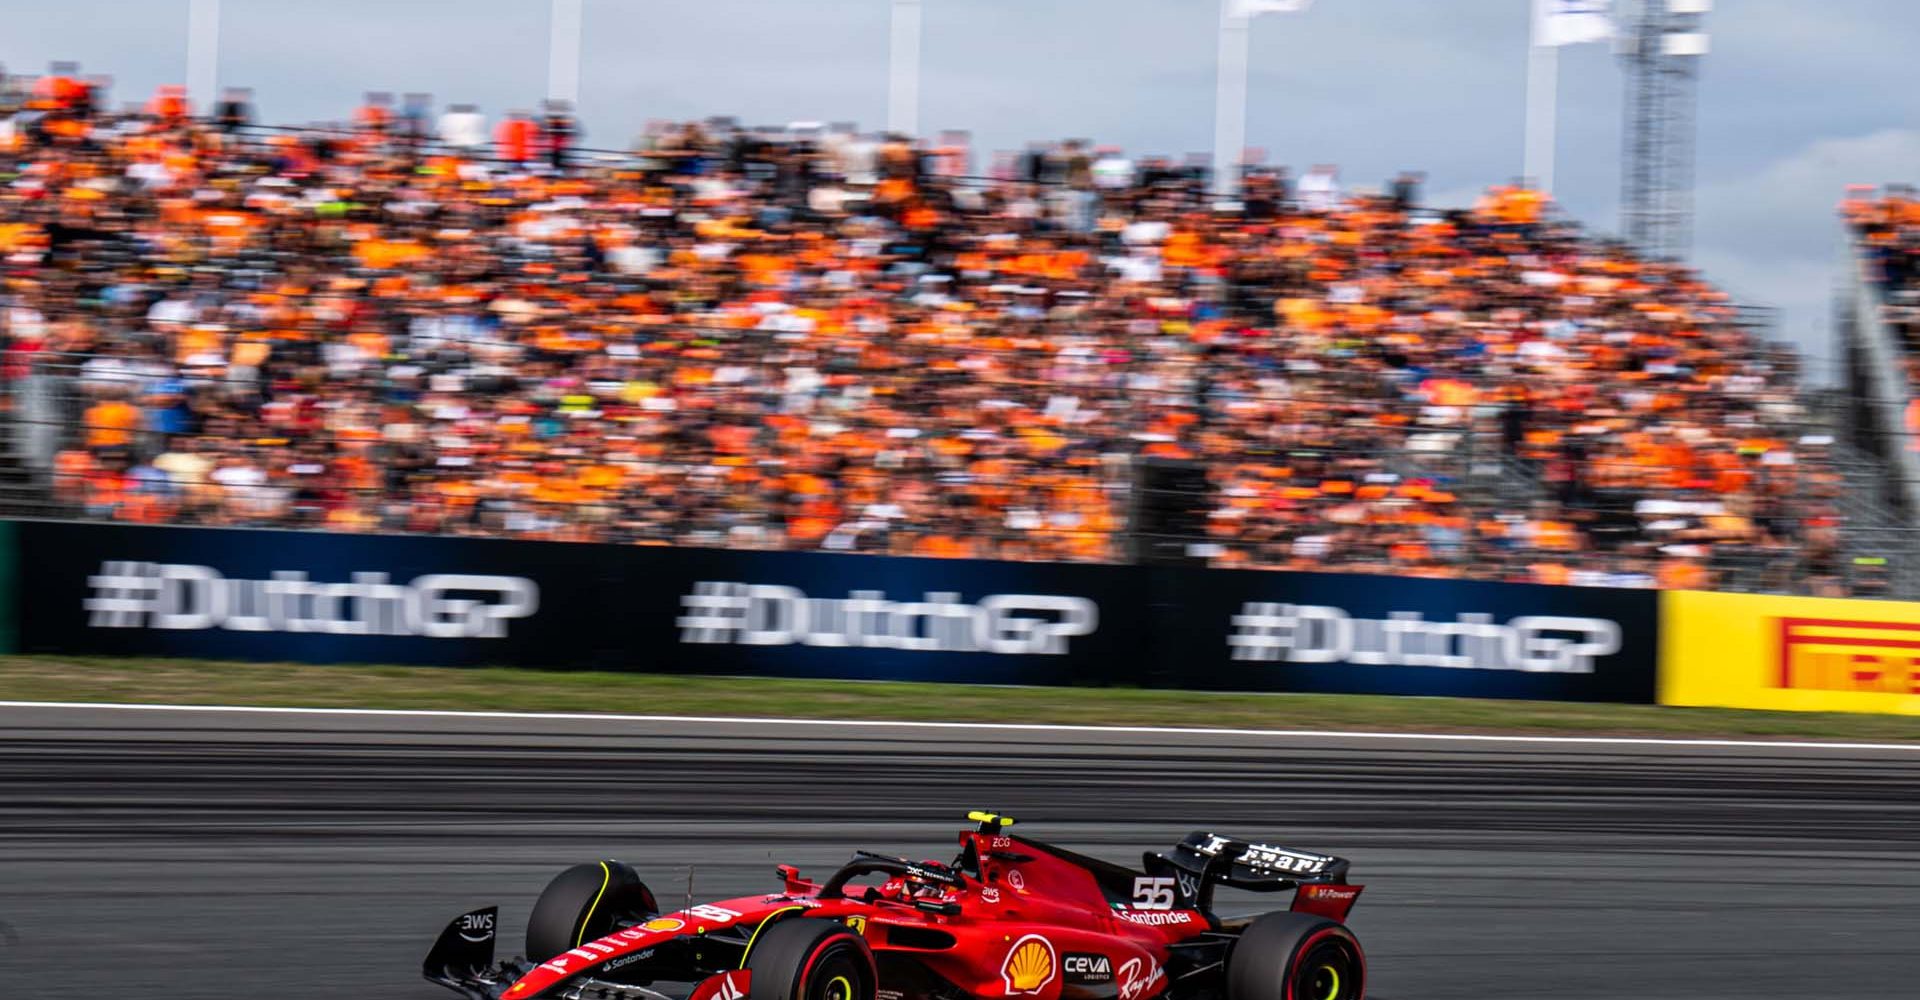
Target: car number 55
[{"x": 1150, "y": 893}]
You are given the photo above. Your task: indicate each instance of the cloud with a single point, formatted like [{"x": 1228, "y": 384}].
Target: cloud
[{"x": 1771, "y": 236}]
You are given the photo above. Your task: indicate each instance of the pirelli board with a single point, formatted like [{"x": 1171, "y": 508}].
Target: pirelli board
[{"x": 1805, "y": 654}]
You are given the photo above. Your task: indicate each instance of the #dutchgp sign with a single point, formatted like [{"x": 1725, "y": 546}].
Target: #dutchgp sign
[
  {"x": 1266, "y": 631},
  {"x": 757, "y": 614},
  {"x": 1364, "y": 634},
  {"x": 176, "y": 596},
  {"x": 210, "y": 593}
]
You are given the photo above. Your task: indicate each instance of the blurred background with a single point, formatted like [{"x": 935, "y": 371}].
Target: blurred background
[{"x": 1796, "y": 100}]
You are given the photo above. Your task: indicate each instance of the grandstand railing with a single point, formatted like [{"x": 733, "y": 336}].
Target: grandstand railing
[{"x": 1486, "y": 479}]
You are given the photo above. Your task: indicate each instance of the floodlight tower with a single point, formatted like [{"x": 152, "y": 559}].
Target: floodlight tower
[{"x": 1660, "y": 48}]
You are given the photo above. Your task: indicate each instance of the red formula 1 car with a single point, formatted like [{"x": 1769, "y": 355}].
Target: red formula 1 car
[{"x": 1010, "y": 918}]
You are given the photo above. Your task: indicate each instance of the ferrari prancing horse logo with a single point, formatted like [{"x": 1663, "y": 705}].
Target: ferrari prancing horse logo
[{"x": 1030, "y": 965}]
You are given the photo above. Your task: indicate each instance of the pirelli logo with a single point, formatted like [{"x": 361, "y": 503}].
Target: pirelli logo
[{"x": 1838, "y": 654}]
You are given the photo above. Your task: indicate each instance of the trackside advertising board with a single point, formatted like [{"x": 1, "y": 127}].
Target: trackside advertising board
[
  {"x": 320, "y": 598},
  {"x": 1805, "y": 654},
  {"x": 1338, "y": 632},
  {"x": 9, "y": 606},
  {"x": 284, "y": 595}
]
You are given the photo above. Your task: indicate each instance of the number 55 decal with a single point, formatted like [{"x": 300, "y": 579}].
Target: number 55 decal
[{"x": 1153, "y": 893}]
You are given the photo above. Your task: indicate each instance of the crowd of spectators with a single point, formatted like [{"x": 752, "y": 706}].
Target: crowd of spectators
[
  {"x": 1887, "y": 225},
  {"x": 809, "y": 338}
]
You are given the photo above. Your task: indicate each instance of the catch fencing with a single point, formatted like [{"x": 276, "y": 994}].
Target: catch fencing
[{"x": 1160, "y": 512}]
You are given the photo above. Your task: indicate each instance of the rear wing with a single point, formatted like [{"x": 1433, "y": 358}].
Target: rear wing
[{"x": 1204, "y": 860}]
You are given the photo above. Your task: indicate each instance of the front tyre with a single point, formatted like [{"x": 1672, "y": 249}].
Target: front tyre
[
  {"x": 583, "y": 903},
  {"x": 1296, "y": 956},
  {"x": 802, "y": 958}
]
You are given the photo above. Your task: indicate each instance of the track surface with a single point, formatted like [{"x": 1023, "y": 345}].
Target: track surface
[{"x": 190, "y": 855}]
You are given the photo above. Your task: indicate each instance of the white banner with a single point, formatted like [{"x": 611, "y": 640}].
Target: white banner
[
  {"x": 1253, "y": 8},
  {"x": 1571, "y": 22}
]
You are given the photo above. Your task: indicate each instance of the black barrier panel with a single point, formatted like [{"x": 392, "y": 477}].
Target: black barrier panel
[
  {"x": 802, "y": 614},
  {"x": 213, "y": 593},
  {"x": 1335, "y": 632},
  {"x": 320, "y": 598},
  {"x": 313, "y": 597}
]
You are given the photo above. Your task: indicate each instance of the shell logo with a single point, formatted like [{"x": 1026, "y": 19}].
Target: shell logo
[
  {"x": 663, "y": 924},
  {"x": 1030, "y": 965}
]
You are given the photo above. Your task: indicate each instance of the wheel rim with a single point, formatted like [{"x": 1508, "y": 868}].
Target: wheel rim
[
  {"x": 1325, "y": 983},
  {"x": 838, "y": 976},
  {"x": 1328, "y": 972}
]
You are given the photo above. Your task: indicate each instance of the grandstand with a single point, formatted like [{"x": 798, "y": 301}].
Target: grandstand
[
  {"x": 813, "y": 339},
  {"x": 1875, "y": 309}
]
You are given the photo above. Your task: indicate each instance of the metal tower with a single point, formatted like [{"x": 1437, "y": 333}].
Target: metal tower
[{"x": 1660, "y": 48}]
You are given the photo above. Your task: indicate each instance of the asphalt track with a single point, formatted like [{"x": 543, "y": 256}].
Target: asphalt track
[{"x": 202, "y": 855}]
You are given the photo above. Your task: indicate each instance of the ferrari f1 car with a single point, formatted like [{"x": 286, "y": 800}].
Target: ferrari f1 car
[{"x": 1009, "y": 918}]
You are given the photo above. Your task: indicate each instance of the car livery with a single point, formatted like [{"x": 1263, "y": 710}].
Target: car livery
[{"x": 1009, "y": 918}]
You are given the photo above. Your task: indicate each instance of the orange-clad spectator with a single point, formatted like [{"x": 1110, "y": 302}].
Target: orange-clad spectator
[
  {"x": 71, "y": 469},
  {"x": 169, "y": 104},
  {"x": 1683, "y": 574},
  {"x": 827, "y": 340},
  {"x": 515, "y": 137},
  {"x": 111, "y": 423},
  {"x": 375, "y": 115},
  {"x": 59, "y": 90}
]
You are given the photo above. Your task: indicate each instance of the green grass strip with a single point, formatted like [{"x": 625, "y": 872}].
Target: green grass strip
[{"x": 189, "y": 682}]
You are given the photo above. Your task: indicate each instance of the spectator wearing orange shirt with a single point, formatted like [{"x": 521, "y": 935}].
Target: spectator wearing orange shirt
[
  {"x": 805, "y": 339},
  {"x": 515, "y": 137}
]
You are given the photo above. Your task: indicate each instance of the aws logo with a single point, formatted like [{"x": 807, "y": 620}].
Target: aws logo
[
  {"x": 477, "y": 926},
  {"x": 1031, "y": 964}
]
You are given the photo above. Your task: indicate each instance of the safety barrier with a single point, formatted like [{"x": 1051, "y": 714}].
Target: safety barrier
[
  {"x": 1790, "y": 653},
  {"x": 81, "y": 588},
  {"x": 314, "y": 597}
]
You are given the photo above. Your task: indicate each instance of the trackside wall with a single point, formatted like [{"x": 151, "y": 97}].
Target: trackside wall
[
  {"x": 306, "y": 596},
  {"x": 78, "y": 588},
  {"x": 1789, "y": 653}
]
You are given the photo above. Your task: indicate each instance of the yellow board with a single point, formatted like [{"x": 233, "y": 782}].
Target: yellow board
[{"x": 1800, "y": 654}]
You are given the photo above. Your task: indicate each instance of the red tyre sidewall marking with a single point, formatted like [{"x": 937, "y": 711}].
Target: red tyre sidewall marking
[
  {"x": 1293, "y": 964},
  {"x": 806, "y": 972}
]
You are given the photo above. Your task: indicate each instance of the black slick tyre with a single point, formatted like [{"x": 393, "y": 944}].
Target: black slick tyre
[
  {"x": 583, "y": 903},
  {"x": 802, "y": 958},
  {"x": 1296, "y": 956}
]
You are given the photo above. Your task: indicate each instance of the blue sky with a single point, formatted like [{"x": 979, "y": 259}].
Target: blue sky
[{"x": 1797, "y": 98}]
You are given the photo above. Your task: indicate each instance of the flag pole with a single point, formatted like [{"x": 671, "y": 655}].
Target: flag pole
[
  {"x": 203, "y": 53},
  {"x": 1230, "y": 100},
  {"x": 1543, "y": 106},
  {"x": 563, "y": 51},
  {"x": 903, "y": 69}
]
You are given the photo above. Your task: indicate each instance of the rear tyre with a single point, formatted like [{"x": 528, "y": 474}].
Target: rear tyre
[
  {"x": 802, "y": 958},
  {"x": 1296, "y": 956},
  {"x": 583, "y": 903}
]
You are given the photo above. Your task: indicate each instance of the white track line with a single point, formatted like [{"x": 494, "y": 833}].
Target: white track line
[{"x": 1017, "y": 727}]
